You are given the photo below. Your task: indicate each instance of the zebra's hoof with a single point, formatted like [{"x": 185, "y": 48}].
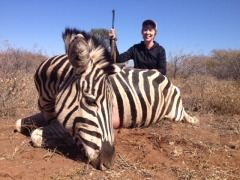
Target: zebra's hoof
[
  {"x": 36, "y": 137},
  {"x": 19, "y": 127}
]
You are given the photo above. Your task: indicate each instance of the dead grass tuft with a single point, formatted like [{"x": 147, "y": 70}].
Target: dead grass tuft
[
  {"x": 210, "y": 95},
  {"x": 17, "y": 150}
]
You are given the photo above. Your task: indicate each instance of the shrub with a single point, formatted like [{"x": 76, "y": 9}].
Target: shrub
[
  {"x": 182, "y": 65},
  {"x": 210, "y": 95},
  {"x": 17, "y": 89},
  {"x": 225, "y": 64}
]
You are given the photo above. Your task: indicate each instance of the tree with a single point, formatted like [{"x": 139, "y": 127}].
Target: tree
[
  {"x": 183, "y": 65},
  {"x": 226, "y": 64}
]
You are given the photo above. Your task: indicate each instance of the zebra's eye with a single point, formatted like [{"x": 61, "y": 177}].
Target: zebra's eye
[{"x": 91, "y": 102}]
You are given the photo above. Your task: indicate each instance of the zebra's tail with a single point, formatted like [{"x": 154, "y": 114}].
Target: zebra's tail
[{"x": 192, "y": 120}]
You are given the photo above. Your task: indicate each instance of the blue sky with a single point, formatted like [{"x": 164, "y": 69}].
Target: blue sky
[{"x": 197, "y": 26}]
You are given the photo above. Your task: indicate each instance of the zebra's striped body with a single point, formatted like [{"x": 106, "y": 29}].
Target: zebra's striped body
[
  {"x": 144, "y": 97},
  {"x": 141, "y": 97},
  {"x": 81, "y": 99}
]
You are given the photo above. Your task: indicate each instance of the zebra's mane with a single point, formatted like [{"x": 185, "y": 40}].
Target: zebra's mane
[
  {"x": 96, "y": 40},
  {"x": 97, "y": 44}
]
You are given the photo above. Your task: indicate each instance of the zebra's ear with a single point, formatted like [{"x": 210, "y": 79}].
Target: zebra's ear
[
  {"x": 67, "y": 38},
  {"x": 69, "y": 35},
  {"x": 79, "y": 52}
]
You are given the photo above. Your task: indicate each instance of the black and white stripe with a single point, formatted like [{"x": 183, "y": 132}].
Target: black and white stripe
[{"x": 81, "y": 96}]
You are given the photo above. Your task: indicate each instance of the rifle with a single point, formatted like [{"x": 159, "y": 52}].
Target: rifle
[{"x": 113, "y": 50}]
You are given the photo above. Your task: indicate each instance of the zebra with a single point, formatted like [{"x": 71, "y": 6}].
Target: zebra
[{"x": 68, "y": 87}]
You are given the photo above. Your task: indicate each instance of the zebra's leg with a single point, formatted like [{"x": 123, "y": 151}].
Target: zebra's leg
[
  {"x": 31, "y": 122},
  {"x": 51, "y": 136}
]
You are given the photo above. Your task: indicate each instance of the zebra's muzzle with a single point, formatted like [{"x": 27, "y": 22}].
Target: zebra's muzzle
[{"x": 105, "y": 158}]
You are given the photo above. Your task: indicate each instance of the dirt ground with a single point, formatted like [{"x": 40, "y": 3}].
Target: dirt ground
[{"x": 167, "y": 150}]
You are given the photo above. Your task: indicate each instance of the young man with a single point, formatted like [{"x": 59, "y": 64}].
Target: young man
[{"x": 146, "y": 55}]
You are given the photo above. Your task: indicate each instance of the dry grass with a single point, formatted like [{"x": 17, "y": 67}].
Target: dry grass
[
  {"x": 200, "y": 93},
  {"x": 17, "y": 89},
  {"x": 210, "y": 95},
  {"x": 17, "y": 94},
  {"x": 11, "y": 155}
]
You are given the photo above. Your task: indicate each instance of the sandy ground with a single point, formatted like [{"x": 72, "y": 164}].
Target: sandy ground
[{"x": 167, "y": 150}]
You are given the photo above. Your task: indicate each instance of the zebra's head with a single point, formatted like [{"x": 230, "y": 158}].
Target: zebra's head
[
  {"x": 82, "y": 47},
  {"x": 84, "y": 107}
]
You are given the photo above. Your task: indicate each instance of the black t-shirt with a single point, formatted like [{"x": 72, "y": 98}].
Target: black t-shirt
[{"x": 154, "y": 58}]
